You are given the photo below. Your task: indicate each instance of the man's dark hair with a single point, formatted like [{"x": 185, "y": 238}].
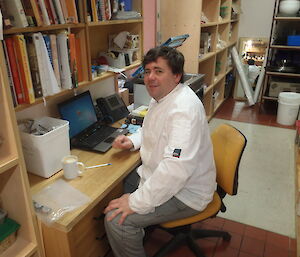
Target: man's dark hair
[{"x": 174, "y": 58}]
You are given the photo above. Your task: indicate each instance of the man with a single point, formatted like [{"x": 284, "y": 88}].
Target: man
[{"x": 177, "y": 175}]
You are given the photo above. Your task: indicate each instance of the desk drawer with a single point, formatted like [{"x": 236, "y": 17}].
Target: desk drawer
[{"x": 88, "y": 236}]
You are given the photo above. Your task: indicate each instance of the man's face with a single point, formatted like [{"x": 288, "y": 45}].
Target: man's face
[{"x": 159, "y": 79}]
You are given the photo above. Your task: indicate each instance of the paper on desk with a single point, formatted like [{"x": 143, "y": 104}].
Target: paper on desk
[{"x": 53, "y": 201}]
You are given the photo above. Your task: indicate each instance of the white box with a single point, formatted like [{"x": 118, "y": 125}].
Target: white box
[
  {"x": 281, "y": 86},
  {"x": 43, "y": 153}
]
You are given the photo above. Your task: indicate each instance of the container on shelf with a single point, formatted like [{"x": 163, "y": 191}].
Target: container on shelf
[
  {"x": 43, "y": 153},
  {"x": 288, "y": 107},
  {"x": 293, "y": 40}
]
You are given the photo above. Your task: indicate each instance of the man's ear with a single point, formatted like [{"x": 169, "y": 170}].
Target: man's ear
[{"x": 178, "y": 78}]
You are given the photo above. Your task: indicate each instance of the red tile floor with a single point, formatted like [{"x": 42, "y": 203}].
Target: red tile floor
[{"x": 246, "y": 241}]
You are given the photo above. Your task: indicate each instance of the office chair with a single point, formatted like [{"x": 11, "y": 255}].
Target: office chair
[{"x": 228, "y": 146}]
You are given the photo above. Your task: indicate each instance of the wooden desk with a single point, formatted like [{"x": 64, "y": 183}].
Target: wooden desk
[{"x": 80, "y": 233}]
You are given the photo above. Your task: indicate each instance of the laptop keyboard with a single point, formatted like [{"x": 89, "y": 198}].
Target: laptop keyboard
[{"x": 94, "y": 138}]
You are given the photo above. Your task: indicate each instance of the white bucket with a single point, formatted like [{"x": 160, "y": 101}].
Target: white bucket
[{"x": 288, "y": 107}]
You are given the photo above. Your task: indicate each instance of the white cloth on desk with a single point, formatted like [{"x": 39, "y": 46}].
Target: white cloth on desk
[{"x": 176, "y": 153}]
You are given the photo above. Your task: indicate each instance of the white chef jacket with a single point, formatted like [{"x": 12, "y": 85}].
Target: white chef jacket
[{"x": 176, "y": 153}]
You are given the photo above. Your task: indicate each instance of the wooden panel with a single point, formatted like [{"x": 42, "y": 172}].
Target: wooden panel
[{"x": 177, "y": 18}]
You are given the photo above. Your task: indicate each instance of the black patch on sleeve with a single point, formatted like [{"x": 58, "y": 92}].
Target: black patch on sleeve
[{"x": 176, "y": 153}]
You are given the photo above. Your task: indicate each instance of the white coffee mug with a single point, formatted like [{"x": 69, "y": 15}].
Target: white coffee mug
[{"x": 72, "y": 167}]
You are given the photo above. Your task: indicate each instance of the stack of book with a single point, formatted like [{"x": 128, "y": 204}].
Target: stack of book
[
  {"x": 41, "y": 65},
  {"x": 24, "y": 13}
]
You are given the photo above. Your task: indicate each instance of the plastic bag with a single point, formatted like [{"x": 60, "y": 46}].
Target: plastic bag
[{"x": 52, "y": 202}]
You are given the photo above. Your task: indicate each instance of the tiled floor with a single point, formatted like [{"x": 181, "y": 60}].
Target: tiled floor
[
  {"x": 240, "y": 111},
  {"x": 246, "y": 241}
]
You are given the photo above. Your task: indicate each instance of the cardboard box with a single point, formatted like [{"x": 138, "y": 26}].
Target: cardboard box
[
  {"x": 279, "y": 86},
  {"x": 43, "y": 153}
]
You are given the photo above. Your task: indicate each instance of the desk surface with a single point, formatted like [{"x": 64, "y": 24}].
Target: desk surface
[{"x": 95, "y": 183}]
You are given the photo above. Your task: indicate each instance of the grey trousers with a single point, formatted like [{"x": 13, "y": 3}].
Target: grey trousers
[{"x": 126, "y": 240}]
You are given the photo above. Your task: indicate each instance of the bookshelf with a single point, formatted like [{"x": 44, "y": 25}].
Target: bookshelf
[
  {"x": 222, "y": 33},
  {"x": 282, "y": 68},
  {"x": 93, "y": 36},
  {"x": 14, "y": 187}
]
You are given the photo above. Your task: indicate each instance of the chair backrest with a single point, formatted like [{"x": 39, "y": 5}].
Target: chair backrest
[{"x": 228, "y": 146}]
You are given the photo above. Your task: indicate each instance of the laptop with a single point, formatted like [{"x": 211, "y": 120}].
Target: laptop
[{"x": 86, "y": 131}]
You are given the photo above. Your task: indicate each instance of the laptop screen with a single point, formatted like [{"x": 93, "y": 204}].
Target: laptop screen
[{"x": 79, "y": 111}]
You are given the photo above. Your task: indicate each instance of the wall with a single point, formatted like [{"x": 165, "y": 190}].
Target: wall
[
  {"x": 256, "y": 18},
  {"x": 149, "y": 11}
]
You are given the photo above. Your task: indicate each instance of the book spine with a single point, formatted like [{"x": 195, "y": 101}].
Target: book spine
[
  {"x": 55, "y": 58},
  {"x": 36, "y": 12},
  {"x": 49, "y": 11},
  {"x": 34, "y": 69},
  {"x": 72, "y": 12},
  {"x": 14, "y": 69},
  {"x": 78, "y": 58},
  {"x": 24, "y": 68},
  {"x": 48, "y": 46},
  {"x": 59, "y": 11},
  {"x": 73, "y": 59},
  {"x": 10, "y": 78},
  {"x": 64, "y": 10},
  {"x": 54, "y": 12},
  {"x": 15, "y": 9},
  {"x": 94, "y": 10},
  {"x": 44, "y": 12},
  {"x": 65, "y": 73}
]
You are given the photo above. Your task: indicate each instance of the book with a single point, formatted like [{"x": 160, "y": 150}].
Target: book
[
  {"x": 63, "y": 53},
  {"x": 49, "y": 11},
  {"x": 59, "y": 12},
  {"x": 94, "y": 11},
  {"x": 64, "y": 10},
  {"x": 23, "y": 64},
  {"x": 34, "y": 68},
  {"x": 44, "y": 12},
  {"x": 37, "y": 12},
  {"x": 73, "y": 59},
  {"x": 14, "y": 69},
  {"x": 10, "y": 78},
  {"x": 15, "y": 9},
  {"x": 48, "y": 79},
  {"x": 79, "y": 61},
  {"x": 54, "y": 12},
  {"x": 55, "y": 60},
  {"x": 48, "y": 46},
  {"x": 72, "y": 11},
  {"x": 29, "y": 12}
]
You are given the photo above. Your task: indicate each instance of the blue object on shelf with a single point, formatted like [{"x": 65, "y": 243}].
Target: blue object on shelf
[
  {"x": 293, "y": 40},
  {"x": 127, "y": 5}
]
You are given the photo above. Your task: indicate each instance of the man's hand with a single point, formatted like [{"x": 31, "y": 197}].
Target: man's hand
[
  {"x": 122, "y": 142},
  {"x": 120, "y": 205}
]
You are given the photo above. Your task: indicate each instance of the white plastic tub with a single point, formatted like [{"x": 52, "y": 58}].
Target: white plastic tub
[
  {"x": 43, "y": 153},
  {"x": 288, "y": 107}
]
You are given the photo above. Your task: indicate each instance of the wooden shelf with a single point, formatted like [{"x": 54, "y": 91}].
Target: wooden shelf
[
  {"x": 206, "y": 56},
  {"x": 281, "y": 74},
  {"x": 209, "y": 24},
  {"x": 20, "y": 248},
  {"x": 270, "y": 98},
  {"x": 42, "y": 28},
  {"x": 283, "y": 47},
  {"x": 113, "y": 22},
  {"x": 7, "y": 163},
  {"x": 278, "y": 18}
]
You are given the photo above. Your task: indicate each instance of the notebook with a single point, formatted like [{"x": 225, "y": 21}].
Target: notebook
[{"x": 86, "y": 131}]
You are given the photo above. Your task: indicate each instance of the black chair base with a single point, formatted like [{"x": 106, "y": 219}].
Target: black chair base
[{"x": 187, "y": 235}]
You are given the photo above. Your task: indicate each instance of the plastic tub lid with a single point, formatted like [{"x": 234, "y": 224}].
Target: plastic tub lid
[{"x": 289, "y": 97}]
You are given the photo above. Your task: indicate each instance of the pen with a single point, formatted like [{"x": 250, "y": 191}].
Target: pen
[{"x": 99, "y": 165}]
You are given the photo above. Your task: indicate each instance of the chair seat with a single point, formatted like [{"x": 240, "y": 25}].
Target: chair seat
[{"x": 211, "y": 209}]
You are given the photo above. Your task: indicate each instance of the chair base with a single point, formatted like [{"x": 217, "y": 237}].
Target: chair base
[{"x": 187, "y": 235}]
